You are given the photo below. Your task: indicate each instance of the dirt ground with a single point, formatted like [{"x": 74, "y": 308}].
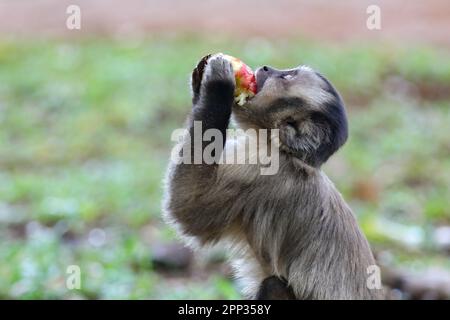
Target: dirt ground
[{"x": 401, "y": 21}]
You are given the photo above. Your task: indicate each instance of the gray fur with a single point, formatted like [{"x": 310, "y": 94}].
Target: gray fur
[{"x": 295, "y": 224}]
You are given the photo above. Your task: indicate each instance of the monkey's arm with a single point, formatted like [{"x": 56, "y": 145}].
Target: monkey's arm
[
  {"x": 194, "y": 198},
  {"x": 213, "y": 86}
]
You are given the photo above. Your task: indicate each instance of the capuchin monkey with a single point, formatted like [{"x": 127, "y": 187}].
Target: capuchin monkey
[{"x": 292, "y": 234}]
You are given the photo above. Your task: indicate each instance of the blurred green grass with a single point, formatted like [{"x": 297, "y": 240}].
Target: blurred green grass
[{"x": 85, "y": 138}]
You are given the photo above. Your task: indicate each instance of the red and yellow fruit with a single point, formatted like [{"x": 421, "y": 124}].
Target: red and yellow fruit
[{"x": 245, "y": 80}]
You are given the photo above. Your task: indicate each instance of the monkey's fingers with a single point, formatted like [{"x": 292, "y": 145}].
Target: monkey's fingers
[{"x": 197, "y": 74}]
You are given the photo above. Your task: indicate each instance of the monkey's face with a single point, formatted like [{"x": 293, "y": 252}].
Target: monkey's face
[{"x": 304, "y": 106}]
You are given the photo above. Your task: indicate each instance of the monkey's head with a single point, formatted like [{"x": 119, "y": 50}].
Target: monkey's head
[{"x": 304, "y": 106}]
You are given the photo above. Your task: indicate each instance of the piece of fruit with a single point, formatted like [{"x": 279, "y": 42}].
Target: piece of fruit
[{"x": 245, "y": 80}]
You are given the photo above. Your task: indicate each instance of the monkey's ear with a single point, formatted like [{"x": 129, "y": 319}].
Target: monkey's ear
[
  {"x": 313, "y": 139},
  {"x": 305, "y": 138},
  {"x": 329, "y": 136}
]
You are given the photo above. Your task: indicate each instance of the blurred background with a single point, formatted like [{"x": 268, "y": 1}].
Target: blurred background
[{"x": 86, "y": 117}]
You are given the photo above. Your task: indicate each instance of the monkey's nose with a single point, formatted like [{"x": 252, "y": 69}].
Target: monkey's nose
[
  {"x": 268, "y": 69},
  {"x": 263, "y": 73},
  {"x": 261, "y": 76}
]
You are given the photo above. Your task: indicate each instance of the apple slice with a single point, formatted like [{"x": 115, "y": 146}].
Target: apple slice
[{"x": 245, "y": 80}]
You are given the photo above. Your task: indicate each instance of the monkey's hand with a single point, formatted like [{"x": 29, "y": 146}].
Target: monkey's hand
[
  {"x": 196, "y": 77},
  {"x": 213, "y": 73},
  {"x": 213, "y": 85}
]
